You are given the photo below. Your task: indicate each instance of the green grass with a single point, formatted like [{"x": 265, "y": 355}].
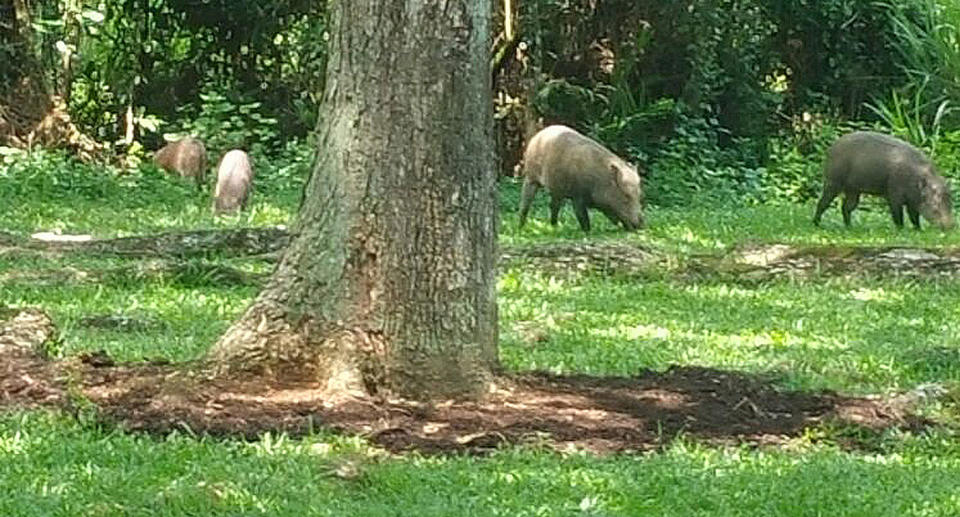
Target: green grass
[
  {"x": 705, "y": 228},
  {"x": 51, "y": 466},
  {"x": 185, "y": 312},
  {"x": 856, "y": 334},
  {"x": 49, "y": 192}
]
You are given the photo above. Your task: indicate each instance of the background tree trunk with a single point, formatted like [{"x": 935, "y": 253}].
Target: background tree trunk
[
  {"x": 389, "y": 284},
  {"x": 28, "y": 63},
  {"x": 72, "y": 31},
  {"x": 24, "y": 96}
]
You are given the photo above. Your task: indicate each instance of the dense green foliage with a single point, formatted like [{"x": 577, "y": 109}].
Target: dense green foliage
[
  {"x": 718, "y": 99},
  {"x": 235, "y": 73},
  {"x": 737, "y": 100}
]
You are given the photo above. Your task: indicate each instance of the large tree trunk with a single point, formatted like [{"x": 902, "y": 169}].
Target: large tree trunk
[{"x": 389, "y": 284}]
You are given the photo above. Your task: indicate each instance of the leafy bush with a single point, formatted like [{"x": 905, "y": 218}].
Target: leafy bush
[
  {"x": 927, "y": 37},
  {"x": 53, "y": 174},
  {"x": 223, "y": 123},
  {"x": 795, "y": 170},
  {"x": 285, "y": 170},
  {"x": 158, "y": 57},
  {"x": 708, "y": 95},
  {"x": 910, "y": 117},
  {"x": 947, "y": 156},
  {"x": 693, "y": 165}
]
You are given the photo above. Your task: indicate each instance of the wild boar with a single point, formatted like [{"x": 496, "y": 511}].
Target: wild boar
[
  {"x": 865, "y": 162},
  {"x": 186, "y": 157},
  {"x": 234, "y": 179},
  {"x": 573, "y": 166}
]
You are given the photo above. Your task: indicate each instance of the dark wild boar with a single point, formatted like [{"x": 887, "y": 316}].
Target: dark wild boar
[
  {"x": 234, "y": 179},
  {"x": 186, "y": 157},
  {"x": 572, "y": 166},
  {"x": 865, "y": 162}
]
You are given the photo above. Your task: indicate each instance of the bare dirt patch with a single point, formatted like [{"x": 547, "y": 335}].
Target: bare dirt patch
[{"x": 595, "y": 414}]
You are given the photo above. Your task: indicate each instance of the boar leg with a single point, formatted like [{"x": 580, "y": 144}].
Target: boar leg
[
  {"x": 556, "y": 203},
  {"x": 914, "y": 216},
  {"x": 530, "y": 189},
  {"x": 896, "y": 211},
  {"x": 850, "y": 202},
  {"x": 830, "y": 192},
  {"x": 580, "y": 208}
]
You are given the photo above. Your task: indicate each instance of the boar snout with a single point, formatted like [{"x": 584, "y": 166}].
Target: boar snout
[
  {"x": 943, "y": 219},
  {"x": 633, "y": 223},
  {"x": 936, "y": 203}
]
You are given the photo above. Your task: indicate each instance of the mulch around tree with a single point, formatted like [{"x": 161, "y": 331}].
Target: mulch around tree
[{"x": 602, "y": 415}]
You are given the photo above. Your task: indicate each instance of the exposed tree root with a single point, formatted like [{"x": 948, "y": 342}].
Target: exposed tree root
[
  {"x": 770, "y": 261},
  {"x": 755, "y": 262},
  {"x": 200, "y": 243},
  {"x": 192, "y": 273},
  {"x": 595, "y": 256}
]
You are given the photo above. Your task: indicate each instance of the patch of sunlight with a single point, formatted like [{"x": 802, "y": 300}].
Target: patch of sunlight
[
  {"x": 885, "y": 459},
  {"x": 778, "y": 82},
  {"x": 771, "y": 338},
  {"x": 11, "y": 445},
  {"x": 320, "y": 449},
  {"x": 554, "y": 285},
  {"x": 764, "y": 255},
  {"x": 270, "y": 214},
  {"x": 271, "y": 445},
  {"x": 647, "y": 332},
  {"x": 51, "y": 225},
  {"x": 535, "y": 282},
  {"x": 723, "y": 291},
  {"x": 878, "y": 294},
  {"x": 544, "y": 322},
  {"x": 224, "y": 492},
  {"x": 688, "y": 236}
]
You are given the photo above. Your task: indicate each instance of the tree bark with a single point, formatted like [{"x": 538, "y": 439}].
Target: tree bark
[
  {"x": 389, "y": 283},
  {"x": 72, "y": 31},
  {"x": 28, "y": 61}
]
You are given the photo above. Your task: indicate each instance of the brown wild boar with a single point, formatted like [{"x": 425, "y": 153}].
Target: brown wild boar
[
  {"x": 186, "y": 157},
  {"x": 865, "y": 162},
  {"x": 571, "y": 165},
  {"x": 234, "y": 179}
]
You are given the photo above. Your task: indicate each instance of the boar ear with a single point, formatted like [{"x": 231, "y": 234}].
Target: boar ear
[{"x": 617, "y": 173}]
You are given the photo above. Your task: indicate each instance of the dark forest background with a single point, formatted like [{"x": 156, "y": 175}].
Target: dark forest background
[{"x": 716, "y": 98}]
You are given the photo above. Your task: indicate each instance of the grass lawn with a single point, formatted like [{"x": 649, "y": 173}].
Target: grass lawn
[{"x": 861, "y": 334}]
